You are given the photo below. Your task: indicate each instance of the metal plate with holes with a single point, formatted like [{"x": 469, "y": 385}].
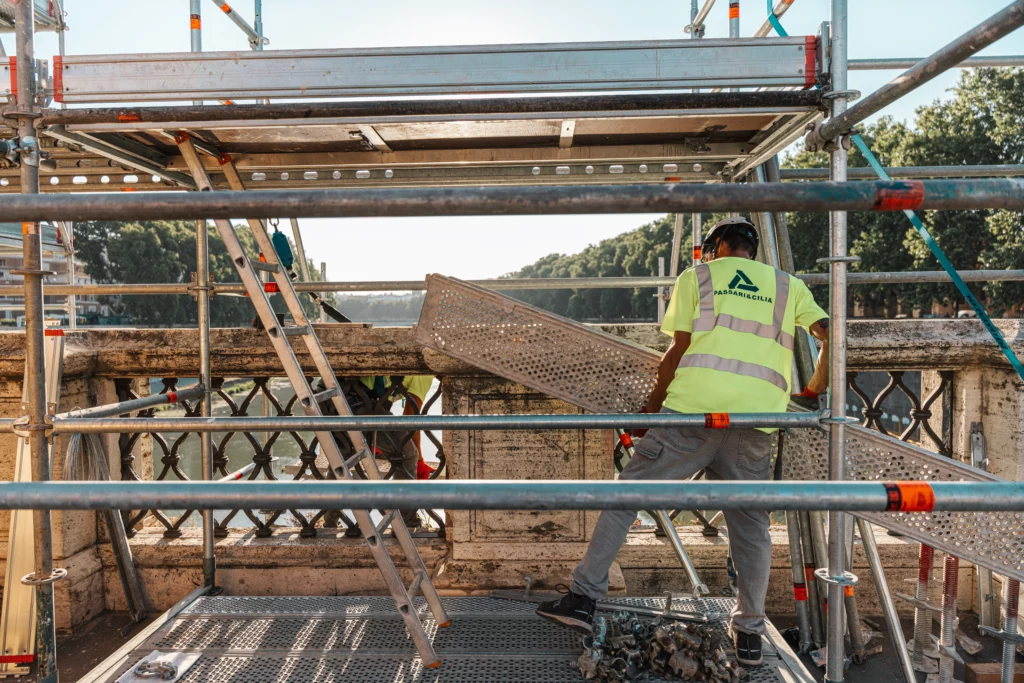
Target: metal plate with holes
[
  {"x": 991, "y": 539},
  {"x": 491, "y": 640},
  {"x": 564, "y": 359}
]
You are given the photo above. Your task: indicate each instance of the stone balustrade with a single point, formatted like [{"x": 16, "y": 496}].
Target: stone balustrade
[{"x": 485, "y": 549}]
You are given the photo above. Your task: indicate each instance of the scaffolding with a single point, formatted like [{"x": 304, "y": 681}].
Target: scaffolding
[{"x": 671, "y": 126}]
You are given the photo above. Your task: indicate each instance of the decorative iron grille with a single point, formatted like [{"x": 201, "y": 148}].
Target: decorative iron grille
[
  {"x": 169, "y": 455},
  {"x": 919, "y": 416}
]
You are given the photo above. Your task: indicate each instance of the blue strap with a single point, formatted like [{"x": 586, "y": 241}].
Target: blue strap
[
  {"x": 774, "y": 21},
  {"x": 979, "y": 310}
]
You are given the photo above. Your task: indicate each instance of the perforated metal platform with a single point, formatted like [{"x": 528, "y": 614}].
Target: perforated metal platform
[
  {"x": 362, "y": 640},
  {"x": 545, "y": 352},
  {"x": 991, "y": 539}
]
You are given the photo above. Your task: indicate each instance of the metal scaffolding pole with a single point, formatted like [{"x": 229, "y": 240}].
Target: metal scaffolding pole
[
  {"x": 195, "y": 22},
  {"x": 252, "y": 34},
  {"x": 781, "y": 7},
  {"x": 32, "y": 271},
  {"x": 696, "y": 27},
  {"x": 385, "y": 423},
  {"x": 981, "y": 36},
  {"x": 903, "y": 63},
  {"x": 300, "y": 252},
  {"x": 979, "y": 171},
  {"x": 502, "y": 495},
  {"x": 530, "y": 200},
  {"x": 892, "y": 617},
  {"x": 836, "y": 575}
]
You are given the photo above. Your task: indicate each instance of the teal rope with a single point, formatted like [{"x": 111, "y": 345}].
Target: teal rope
[
  {"x": 979, "y": 310},
  {"x": 774, "y": 21}
]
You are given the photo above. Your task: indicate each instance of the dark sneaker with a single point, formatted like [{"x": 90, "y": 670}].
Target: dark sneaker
[
  {"x": 748, "y": 648},
  {"x": 572, "y": 609}
]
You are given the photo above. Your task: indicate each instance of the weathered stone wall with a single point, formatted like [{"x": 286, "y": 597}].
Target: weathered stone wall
[{"x": 483, "y": 549}]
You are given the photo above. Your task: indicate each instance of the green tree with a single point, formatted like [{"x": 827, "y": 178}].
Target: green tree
[
  {"x": 982, "y": 123},
  {"x": 164, "y": 252}
]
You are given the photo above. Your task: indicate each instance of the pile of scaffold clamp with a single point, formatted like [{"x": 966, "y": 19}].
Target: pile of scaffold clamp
[{"x": 624, "y": 647}]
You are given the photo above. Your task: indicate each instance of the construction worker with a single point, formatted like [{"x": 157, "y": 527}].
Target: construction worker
[{"x": 732, "y": 322}]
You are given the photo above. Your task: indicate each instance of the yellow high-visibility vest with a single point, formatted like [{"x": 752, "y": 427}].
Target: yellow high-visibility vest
[{"x": 742, "y": 316}]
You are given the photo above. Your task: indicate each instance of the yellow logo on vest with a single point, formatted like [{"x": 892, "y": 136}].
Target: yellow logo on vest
[{"x": 742, "y": 286}]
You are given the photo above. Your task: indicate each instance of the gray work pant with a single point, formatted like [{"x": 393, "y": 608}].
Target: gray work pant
[{"x": 730, "y": 454}]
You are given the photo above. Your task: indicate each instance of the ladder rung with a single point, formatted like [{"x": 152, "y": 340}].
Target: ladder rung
[
  {"x": 294, "y": 331},
  {"x": 268, "y": 267},
  {"x": 415, "y": 586},
  {"x": 325, "y": 395},
  {"x": 386, "y": 520},
  {"x": 354, "y": 460}
]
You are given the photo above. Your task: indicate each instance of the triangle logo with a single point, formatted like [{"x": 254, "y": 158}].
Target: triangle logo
[{"x": 742, "y": 282}]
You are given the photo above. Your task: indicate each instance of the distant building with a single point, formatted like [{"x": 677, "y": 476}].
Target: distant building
[{"x": 55, "y": 258}]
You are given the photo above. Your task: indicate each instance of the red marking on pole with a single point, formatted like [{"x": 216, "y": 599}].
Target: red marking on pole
[
  {"x": 673, "y": 178},
  {"x": 14, "y": 76},
  {"x": 53, "y": 332},
  {"x": 899, "y": 195},
  {"x": 127, "y": 189},
  {"x": 800, "y": 592},
  {"x": 58, "y": 78},
  {"x": 129, "y": 118},
  {"x": 224, "y": 159},
  {"x": 270, "y": 287},
  {"x": 17, "y": 659},
  {"x": 810, "y": 62},
  {"x": 809, "y": 573},
  {"x": 911, "y": 496},
  {"x": 698, "y": 252},
  {"x": 716, "y": 420},
  {"x": 172, "y": 397},
  {"x": 626, "y": 440}
]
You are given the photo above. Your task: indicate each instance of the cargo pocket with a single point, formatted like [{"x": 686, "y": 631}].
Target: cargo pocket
[
  {"x": 754, "y": 455},
  {"x": 650, "y": 446},
  {"x": 687, "y": 440}
]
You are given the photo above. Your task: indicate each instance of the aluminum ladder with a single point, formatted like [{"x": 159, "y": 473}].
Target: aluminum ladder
[{"x": 310, "y": 401}]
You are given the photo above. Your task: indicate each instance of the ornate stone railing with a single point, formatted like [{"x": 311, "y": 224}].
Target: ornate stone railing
[{"x": 168, "y": 455}]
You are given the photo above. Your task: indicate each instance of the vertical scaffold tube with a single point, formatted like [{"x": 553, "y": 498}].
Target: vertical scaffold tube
[
  {"x": 835, "y": 661},
  {"x": 32, "y": 273},
  {"x": 195, "y": 25},
  {"x": 950, "y": 571},
  {"x": 922, "y": 615},
  {"x": 1011, "y": 600},
  {"x": 892, "y": 618},
  {"x": 796, "y": 559},
  {"x": 813, "y": 599},
  {"x": 206, "y": 449}
]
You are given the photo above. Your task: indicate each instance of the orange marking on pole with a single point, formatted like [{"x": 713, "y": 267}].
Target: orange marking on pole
[
  {"x": 129, "y": 118},
  {"x": 26, "y": 228},
  {"x": 195, "y": 22},
  {"x": 226, "y": 8},
  {"x": 53, "y": 332},
  {"x": 716, "y": 420},
  {"x": 270, "y": 288},
  {"x": 698, "y": 252},
  {"x": 58, "y": 78},
  {"x": 673, "y": 179},
  {"x": 14, "y": 75},
  {"x": 910, "y": 496},
  {"x": 127, "y": 189},
  {"x": 734, "y": 9},
  {"x": 848, "y": 591},
  {"x": 899, "y": 195},
  {"x": 626, "y": 440}
]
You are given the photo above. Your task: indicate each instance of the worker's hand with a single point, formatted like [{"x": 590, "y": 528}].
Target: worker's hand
[
  {"x": 640, "y": 433},
  {"x": 807, "y": 393}
]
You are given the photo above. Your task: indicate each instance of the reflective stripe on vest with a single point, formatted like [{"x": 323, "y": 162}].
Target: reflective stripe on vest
[
  {"x": 709, "y": 321},
  {"x": 736, "y": 367}
]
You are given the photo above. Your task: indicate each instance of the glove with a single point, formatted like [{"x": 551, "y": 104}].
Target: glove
[
  {"x": 807, "y": 393},
  {"x": 640, "y": 433}
]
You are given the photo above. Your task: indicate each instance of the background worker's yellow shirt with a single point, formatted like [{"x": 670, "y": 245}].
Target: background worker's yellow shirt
[{"x": 704, "y": 390}]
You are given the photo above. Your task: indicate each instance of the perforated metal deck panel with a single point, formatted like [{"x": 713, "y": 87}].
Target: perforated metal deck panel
[
  {"x": 361, "y": 640},
  {"x": 545, "y": 352},
  {"x": 991, "y": 539}
]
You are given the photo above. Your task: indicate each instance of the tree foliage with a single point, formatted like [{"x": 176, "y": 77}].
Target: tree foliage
[
  {"x": 165, "y": 252},
  {"x": 982, "y": 123}
]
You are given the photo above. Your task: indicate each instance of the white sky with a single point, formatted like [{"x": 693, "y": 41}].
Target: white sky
[{"x": 358, "y": 249}]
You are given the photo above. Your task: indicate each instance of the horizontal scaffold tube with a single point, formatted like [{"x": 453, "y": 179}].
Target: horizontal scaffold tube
[
  {"x": 193, "y": 392},
  {"x": 867, "y": 173},
  {"x": 517, "y": 495},
  {"x": 895, "y": 195},
  {"x": 380, "y": 109},
  {"x": 514, "y": 284},
  {"x": 385, "y": 423},
  {"x": 904, "y": 63}
]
